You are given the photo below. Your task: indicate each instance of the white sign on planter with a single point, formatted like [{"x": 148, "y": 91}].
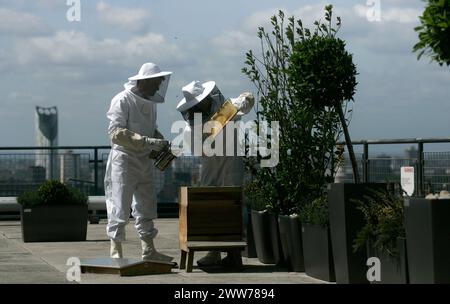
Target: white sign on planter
[{"x": 407, "y": 179}]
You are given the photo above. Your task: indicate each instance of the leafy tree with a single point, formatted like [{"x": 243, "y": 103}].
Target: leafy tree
[
  {"x": 434, "y": 32},
  {"x": 309, "y": 130}
]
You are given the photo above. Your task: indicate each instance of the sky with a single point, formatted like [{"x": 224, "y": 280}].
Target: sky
[{"x": 78, "y": 66}]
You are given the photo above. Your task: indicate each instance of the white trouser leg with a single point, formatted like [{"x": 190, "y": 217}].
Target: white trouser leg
[
  {"x": 119, "y": 196},
  {"x": 144, "y": 210}
]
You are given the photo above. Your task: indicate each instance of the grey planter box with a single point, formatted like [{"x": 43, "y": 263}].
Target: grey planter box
[
  {"x": 427, "y": 224},
  {"x": 318, "y": 253},
  {"x": 345, "y": 222},
  {"x": 394, "y": 270},
  {"x": 54, "y": 223}
]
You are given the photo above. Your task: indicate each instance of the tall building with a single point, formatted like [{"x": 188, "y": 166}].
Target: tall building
[{"x": 46, "y": 123}]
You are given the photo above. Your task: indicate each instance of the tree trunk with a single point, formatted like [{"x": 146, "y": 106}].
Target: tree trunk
[{"x": 349, "y": 144}]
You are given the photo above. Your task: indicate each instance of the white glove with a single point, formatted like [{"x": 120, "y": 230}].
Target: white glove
[
  {"x": 244, "y": 103},
  {"x": 136, "y": 142}
]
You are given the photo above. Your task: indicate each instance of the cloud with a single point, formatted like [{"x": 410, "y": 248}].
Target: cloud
[
  {"x": 20, "y": 23},
  {"x": 132, "y": 20},
  {"x": 75, "y": 48}
]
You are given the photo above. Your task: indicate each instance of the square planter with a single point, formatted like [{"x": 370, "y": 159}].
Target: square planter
[
  {"x": 427, "y": 224},
  {"x": 291, "y": 242},
  {"x": 345, "y": 222},
  {"x": 394, "y": 270},
  {"x": 318, "y": 253},
  {"x": 54, "y": 223}
]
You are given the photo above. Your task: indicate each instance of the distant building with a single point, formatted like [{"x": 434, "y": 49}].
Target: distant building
[
  {"x": 411, "y": 152},
  {"x": 69, "y": 167},
  {"x": 46, "y": 123}
]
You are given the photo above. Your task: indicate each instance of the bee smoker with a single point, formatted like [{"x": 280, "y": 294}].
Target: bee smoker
[{"x": 163, "y": 158}]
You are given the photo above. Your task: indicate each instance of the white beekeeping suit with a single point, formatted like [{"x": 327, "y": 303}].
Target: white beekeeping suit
[
  {"x": 223, "y": 170},
  {"x": 129, "y": 172}
]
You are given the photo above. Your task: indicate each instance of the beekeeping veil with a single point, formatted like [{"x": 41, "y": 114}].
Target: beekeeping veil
[{"x": 151, "y": 70}]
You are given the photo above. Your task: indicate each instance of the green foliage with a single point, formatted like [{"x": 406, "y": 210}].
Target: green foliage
[
  {"x": 316, "y": 213},
  {"x": 52, "y": 192},
  {"x": 257, "y": 196},
  {"x": 384, "y": 221},
  {"x": 303, "y": 102},
  {"x": 434, "y": 32}
]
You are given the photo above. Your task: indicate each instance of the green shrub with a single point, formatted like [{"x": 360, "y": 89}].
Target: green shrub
[
  {"x": 52, "y": 192},
  {"x": 316, "y": 213},
  {"x": 307, "y": 104},
  {"x": 384, "y": 222}
]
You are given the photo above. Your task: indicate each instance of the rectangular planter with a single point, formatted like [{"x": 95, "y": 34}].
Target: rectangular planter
[
  {"x": 394, "y": 270},
  {"x": 345, "y": 222},
  {"x": 318, "y": 253},
  {"x": 54, "y": 223},
  {"x": 427, "y": 224}
]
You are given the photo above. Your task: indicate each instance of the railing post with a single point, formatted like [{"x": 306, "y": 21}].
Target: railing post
[
  {"x": 96, "y": 171},
  {"x": 420, "y": 173},
  {"x": 366, "y": 162}
]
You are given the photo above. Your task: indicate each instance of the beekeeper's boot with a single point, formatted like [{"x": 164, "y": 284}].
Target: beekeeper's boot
[
  {"x": 149, "y": 252},
  {"x": 116, "y": 250}
]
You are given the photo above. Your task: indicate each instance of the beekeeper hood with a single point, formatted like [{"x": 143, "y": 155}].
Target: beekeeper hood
[
  {"x": 196, "y": 93},
  {"x": 151, "y": 70}
]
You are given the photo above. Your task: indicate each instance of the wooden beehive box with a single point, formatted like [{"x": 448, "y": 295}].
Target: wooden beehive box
[{"x": 211, "y": 214}]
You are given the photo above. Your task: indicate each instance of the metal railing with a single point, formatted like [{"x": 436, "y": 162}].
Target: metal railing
[
  {"x": 432, "y": 169},
  {"x": 24, "y": 168}
]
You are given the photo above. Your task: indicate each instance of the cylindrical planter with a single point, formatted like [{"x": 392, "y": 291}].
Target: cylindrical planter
[
  {"x": 262, "y": 235},
  {"x": 60, "y": 223},
  {"x": 345, "y": 222},
  {"x": 318, "y": 253},
  {"x": 427, "y": 225},
  {"x": 250, "y": 250},
  {"x": 275, "y": 240},
  {"x": 394, "y": 270},
  {"x": 291, "y": 242}
]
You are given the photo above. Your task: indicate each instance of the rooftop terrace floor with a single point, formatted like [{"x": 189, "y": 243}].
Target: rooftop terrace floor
[{"x": 46, "y": 262}]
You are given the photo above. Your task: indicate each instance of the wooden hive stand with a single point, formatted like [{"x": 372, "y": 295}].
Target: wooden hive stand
[{"x": 211, "y": 219}]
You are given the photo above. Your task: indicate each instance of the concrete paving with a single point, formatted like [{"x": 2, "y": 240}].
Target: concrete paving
[{"x": 47, "y": 262}]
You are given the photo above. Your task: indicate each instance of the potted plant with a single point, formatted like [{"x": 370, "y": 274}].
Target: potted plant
[
  {"x": 263, "y": 220},
  {"x": 54, "y": 212},
  {"x": 317, "y": 248},
  {"x": 383, "y": 234},
  {"x": 428, "y": 239}
]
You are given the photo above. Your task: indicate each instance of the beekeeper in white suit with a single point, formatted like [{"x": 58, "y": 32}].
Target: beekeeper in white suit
[
  {"x": 226, "y": 170},
  {"x": 129, "y": 180}
]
